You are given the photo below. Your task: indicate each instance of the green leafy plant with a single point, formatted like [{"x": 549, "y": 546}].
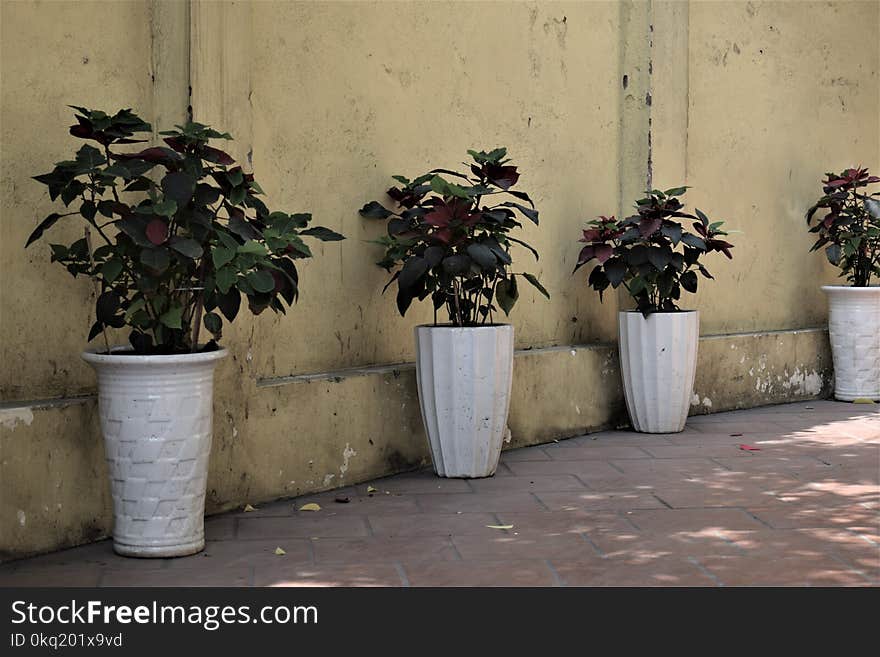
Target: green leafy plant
[
  {"x": 651, "y": 253},
  {"x": 850, "y": 232},
  {"x": 452, "y": 240},
  {"x": 182, "y": 233}
]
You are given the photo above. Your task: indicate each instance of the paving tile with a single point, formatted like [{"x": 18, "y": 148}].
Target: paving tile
[
  {"x": 524, "y": 454},
  {"x": 421, "y": 482},
  {"x": 528, "y": 483},
  {"x": 591, "y": 500},
  {"x": 432, "y": 524},
  {"x": 715, "y": 450},
  {"x": 599, "y": 452},
  {"x": 694, "y": 520},
  {"x": 794, "y": 466},
  {"x": 701, "y": 496},
  {"x": 565, "y": 522},
  {"x": 302, "y": 526},
  {"x": 623, "y": 437},
  {"x": 795, "y": 516},
  {"x": 787, "y": 570},
  {"x": 98, "y": 554},
  {"x": 300, "y": 575},
  {"x": 227, "y": 576},
  {"x": 643, "y": 547},
  {"x": 693, "y": 466},
  {"x": 233, "y": 554},
  {"x": 670, "y": 571},
  {"x": 375, "y": 504},
  {"x": 220, "y": 528},
  {"x": 580, "y": 468},
  {"x": 384, "y": 549},
  {"x": 483, "y": 502},
  {"x": 513, "y": 544},
  {"x": 534, "y": 572},
  {"x": 860, "y": 551},
  {"x": 85, "y": 575}
]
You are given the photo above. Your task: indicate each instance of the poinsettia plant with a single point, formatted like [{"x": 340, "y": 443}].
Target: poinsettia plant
[
  {"x": 850, "y": 231},
  {"x": 180, "y": 233},
  {"x": 651, "y": 253},
  {"x": 450, "y": 237}
]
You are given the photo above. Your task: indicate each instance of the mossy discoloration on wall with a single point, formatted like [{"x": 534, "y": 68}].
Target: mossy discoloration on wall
[{"x": 755, "y": 369}]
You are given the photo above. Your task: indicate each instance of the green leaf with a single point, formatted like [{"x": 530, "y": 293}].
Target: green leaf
[
  {"x": 236, "y": 196},
  {"x": 833, "y": 253},
  {"x": 188, "y": 247},
  {"x": 374, "y": 210},
  {"x": 111, "y": 269},
  {"x": 178, "y": 187},
  {"x": 226, "y": 278},
  {"x": 45, "y": 225},
  {"x": 534, "y": 281},
  {"x": 133, "y": 308},
  {"x": 689, "y": 281},
  {"x": 482, "y": 255},
  {"x": 261, "y": 280},
  {"x": 171, "y": 317},
  {"x": 165, "y": 208},
  {"x": 252, "y": 247},
  {"x": 156, "y": 259},
  {"x": 213, "y": 323},
  {"x": 506, "y": 294},
  {"x": 221, "y": 255},
  {"x": 676, "y": 191},
  {"x": 323, "y": 234}
]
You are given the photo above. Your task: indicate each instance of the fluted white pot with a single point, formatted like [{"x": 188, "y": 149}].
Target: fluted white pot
[
  {"x": 464, "y": 376},
  {"x": 658, "y": 361},
  {"x": 854, "y": 332},
  {"x": 156, "y": 414}
]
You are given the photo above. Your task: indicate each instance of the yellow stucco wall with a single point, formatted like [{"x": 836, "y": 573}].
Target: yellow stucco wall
[{"x": 326, "y": 101}]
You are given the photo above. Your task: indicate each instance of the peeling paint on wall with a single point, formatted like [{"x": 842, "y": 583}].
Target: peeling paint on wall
[{"x": 10, "y": 417}]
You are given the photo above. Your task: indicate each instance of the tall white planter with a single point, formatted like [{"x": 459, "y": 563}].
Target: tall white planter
[
  {"x": 156, "y": 414},
  {"x": 464, "y": 377},
  {"x": 658, "y": 361},
  {"x": 854, "y": 331}
]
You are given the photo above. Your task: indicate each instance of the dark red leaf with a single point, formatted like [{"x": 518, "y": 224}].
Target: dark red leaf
[
  {"x": 157, "y": 231},
  {"x": 649, "y": 225}
]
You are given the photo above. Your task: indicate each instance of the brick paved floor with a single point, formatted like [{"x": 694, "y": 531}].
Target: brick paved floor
[{"x": 609, "y": 509}]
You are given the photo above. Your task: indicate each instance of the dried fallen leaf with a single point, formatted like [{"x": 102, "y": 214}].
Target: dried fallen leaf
[
  {"x": 749, "y": 448},
  {"x": 370, "y": 489},
  {"x": 342, "y": 499},
  {"x": 863, "y": 400},
  {"x": 279, "y": 551},
  {"x": 500, "y": 526},
  {"x": 311, "y": 506},
  {"x": 248, "y": 507}
]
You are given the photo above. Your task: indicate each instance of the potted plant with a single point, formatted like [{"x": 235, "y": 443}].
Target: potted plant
[
  {"x": 850, "y": 233},
  {"x": 449, "y": 239},
  {"x": 654, "y": 257},
  {"x": 180, "y": 235}
]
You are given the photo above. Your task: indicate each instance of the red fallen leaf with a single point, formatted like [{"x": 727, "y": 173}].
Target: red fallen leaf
[
  {"x": 157, "y": 231},
  {"x": 749, "y": 448}
]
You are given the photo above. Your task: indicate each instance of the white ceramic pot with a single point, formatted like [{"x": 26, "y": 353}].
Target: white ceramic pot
[
  {"x": 464, "y": 377},
  {"x": 156, "y": 414},
  {"x": 658, "y": 361},
  {"x": 854, "y": 332}
]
